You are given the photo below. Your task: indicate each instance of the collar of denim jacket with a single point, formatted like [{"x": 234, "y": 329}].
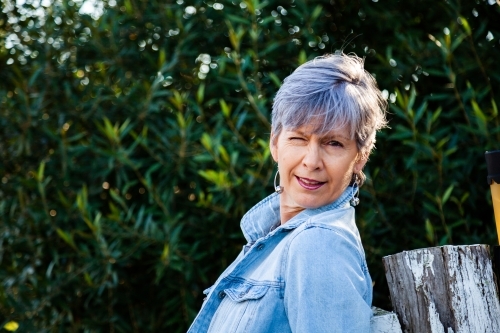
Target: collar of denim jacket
[{"x": 260, "y": 219}]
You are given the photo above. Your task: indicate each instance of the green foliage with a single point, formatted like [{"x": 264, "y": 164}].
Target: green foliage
[{"x": 132, "y": 143}]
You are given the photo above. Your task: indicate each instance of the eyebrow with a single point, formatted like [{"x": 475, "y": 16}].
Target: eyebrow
[
  {"x": 338, "y": 136},
  {"x": 333, "y": 136}
]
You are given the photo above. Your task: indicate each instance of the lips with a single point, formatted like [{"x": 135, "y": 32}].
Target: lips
[{"x": 309, "y": 184}]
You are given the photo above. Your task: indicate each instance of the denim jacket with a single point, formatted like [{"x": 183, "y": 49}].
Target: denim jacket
[{"x": 308, "y": 275}]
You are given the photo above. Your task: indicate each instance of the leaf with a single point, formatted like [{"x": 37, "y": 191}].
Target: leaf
[
  {"x": 458, "y": 40},
  {"x": 238, "y": 19},
  {"x": 88, "y": 279},
  {"x": 400, "y": 135},
  {"x": 267, "y": 20},
  {"x": 436, "y": 114},
  {"x": 480, "y": 117},
  {"x": 165, "y": 253},
  {"x": 234, "y": 37},
  {"x": 226, "y": 110},
  {"x": 450, "y": 151},
  {"x": 466, "y": 25},
  {"x": 180, "y": 120},
  {"x": 81, "y": 199},
  {"x": 219, "y": 178},
  {"x": 128, "y": 6},
  {"x": 302, "y": 57},
  {"x": 270, "y": 48},
  {"x": 494, "y": 113},
  {"x": 67, "y": 237},
  {"x": 139, "y": 218},
  {"x": 431, "y": 208},
  {"x": 200, "y": 94},
  {"x": 177, "y": 100},
  {"x": 161, "y": 58},
  {"x": 224, "y": 154},
  {"x": 443, "y": 240},
  {"x": 420, "y": 112},
  {"x": 411, "y": 101},
  {"x": 124, "y": 128},
  {"x": 399, "y": 112},
  {"x": 116, "y": 196},
  {"x": 261, "y": 4},
  {"x": 97, "y": 223},
  {"x": 41, "y": 171},
  {"x": 206, "y": 141},
  {"x": 442, "y": 142},
  {"x": 11, "y": 326},
  {"x": 275, "y": 79},
  {"x": 447, "y": 194},
  {"x": 315, "y": 14},
  {"x": 89, "y": 224},
  {"x": 429, "y": 232},
  {"x": 34, "y": 76}
]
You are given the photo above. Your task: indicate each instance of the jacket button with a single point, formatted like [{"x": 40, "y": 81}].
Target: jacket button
[
  {"x": 222, "y": 294},
  {"x": 260, "y": 247}
]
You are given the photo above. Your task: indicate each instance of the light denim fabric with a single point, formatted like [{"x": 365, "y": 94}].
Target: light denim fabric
[{"x": 308, "y": 275}]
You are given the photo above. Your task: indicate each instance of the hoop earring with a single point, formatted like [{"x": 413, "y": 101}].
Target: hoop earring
[
  {"x": 355, "y": 185},
  {"x": 277, "y": 188}
]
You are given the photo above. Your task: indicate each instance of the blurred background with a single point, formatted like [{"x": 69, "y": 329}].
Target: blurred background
[{"x": 134, "y": 136}]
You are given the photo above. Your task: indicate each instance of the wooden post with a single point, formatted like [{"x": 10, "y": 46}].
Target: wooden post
[
  {"x": 447, "y": 289},
  {"x": 384, "y": 322}
]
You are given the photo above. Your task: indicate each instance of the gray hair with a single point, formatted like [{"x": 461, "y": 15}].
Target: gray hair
[{"x": 332, "y": 92}]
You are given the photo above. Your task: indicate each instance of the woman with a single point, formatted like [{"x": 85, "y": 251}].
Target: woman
[{"x": 304, "y": 268}]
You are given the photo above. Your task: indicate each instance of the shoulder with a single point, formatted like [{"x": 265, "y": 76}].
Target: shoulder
[
  {"x": 322, "y": 244},
  {"x": 329, "y": 256},
  {"x": 333, "y": 231}
]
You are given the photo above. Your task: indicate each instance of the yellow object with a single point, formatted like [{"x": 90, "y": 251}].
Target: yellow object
[
  {"x": 13, "y": 326},
  {"x": 495, "y": 196}
]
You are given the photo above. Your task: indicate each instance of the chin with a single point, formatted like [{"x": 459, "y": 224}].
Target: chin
[{"x": 310, "y": 203}]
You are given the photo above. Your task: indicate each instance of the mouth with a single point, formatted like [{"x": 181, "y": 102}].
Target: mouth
[{"x": 309, "y": 184}]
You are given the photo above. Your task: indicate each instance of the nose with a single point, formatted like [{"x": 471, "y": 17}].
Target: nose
[{"x": 312, "y": 159}]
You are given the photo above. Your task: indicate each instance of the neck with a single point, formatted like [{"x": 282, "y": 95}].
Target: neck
[{"x": 287, "y": 212}]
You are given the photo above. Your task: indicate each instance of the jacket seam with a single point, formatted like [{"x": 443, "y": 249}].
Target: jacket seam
[{"x": 253, "y": 282}]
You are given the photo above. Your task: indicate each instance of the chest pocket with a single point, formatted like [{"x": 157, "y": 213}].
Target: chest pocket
[
  {"x": 237, "y": 310},
  {"x": 245, "y": 292}
]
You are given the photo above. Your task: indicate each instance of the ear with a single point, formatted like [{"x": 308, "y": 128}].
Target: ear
[
  {"x": 359, "y": 163},
  {"x": 273, "y": 146}
]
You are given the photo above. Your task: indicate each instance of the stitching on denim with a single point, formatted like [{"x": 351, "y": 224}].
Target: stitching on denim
[
  {"x": 309, "y": 225},
  {"x": 284, "y": 263},
  {"x": 265, "y": 283}
]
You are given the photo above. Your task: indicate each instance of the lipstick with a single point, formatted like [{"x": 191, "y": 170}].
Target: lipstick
[{"x": 309, "y": 184}]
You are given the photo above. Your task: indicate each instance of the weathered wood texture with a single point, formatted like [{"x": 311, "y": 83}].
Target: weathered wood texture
[
  {"x": 447, "y": 289},
  {"x": 384, "y": 322}
]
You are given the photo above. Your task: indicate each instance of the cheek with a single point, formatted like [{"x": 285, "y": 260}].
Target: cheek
[
  {"x": 284, "y": 166},
  {"x": 347, "y": 178},
  {"x": 344, "y": 172}
]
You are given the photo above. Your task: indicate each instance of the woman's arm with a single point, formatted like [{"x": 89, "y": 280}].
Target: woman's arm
[{"x": 327, "y": 287}]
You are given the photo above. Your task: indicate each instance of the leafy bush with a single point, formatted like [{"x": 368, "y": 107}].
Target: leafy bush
[{"x": 133, "y": 140}]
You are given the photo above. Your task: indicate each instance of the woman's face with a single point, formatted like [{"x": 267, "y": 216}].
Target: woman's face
[{"x": 314, "y": 169}]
